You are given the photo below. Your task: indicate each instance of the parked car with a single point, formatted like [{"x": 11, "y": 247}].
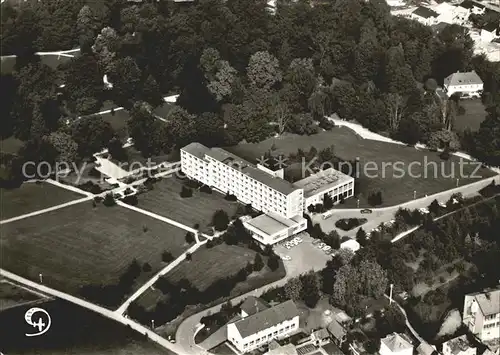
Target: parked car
[
  {"x": 321, "y": 245},
  {"x": 298, "y": 239},
  {"x": 423, "y": 210},
  {"x": 327, "y": 248},
  {"x": 286, "y": 257},
  {"x": 316, "y": 241},
  {"x": 366, "y": 211}
]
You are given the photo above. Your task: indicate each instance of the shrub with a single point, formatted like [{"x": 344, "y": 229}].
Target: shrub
[
  {"x": 209, "y": 244},
  {"x": 273, "y": 262},
  {"x": 220, "y": 220},
  {"x": 445, "y": 154},
  {"x": 144, "y": 228},
  {"x": 258, "y": 264},
  {"x": 186, "y": 192},
  {"x": 193, "y": 184},
  {"x": 206, "y": 189},
  {"x": 146, "y": 267},
  {"x": 131, "y": 200},
  {"x": 190, "y": 237},
  {"x": 189, "y": 257},
  {"x": 230, "y": 197},
  {"x": 167, "y": 257},
  {"x": 109, "y": 200},
  {"x": 90, "y": 187},
  {"x": 98, "y": 199},
  {"x": 95, "y": 173}
]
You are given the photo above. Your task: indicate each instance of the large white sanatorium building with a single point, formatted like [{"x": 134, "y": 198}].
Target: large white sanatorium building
[{"x": 282, "y": 202}]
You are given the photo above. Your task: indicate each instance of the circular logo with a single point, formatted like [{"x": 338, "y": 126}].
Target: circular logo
[{"x": 38, "y": 318}]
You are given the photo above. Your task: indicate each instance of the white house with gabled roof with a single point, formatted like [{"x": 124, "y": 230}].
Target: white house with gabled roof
[
  {"x": 481, "y": 314},
  {"x": 395, "y": 344},
  {"x": 466, "y": 83}
]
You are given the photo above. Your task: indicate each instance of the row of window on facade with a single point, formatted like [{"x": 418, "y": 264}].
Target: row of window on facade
[{"x": 267, "y": 337}]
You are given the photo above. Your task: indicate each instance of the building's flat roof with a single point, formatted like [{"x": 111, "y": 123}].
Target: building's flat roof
[
  {"x": 196, "y": 149},
  {"x": 267, "y": 319},
  {"x": 272, "y": 223},
  {"x": 322, "y": 181},
  {"x": 276, "y": 183},
  {"x": 465, "y": 78}
]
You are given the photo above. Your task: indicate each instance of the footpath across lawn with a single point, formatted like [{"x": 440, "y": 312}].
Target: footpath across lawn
[
  {"x": 165, "y": 200},
  {"x": 31, "y": 197},
  {"x": 86, "y": 245},
  {"x": 416, "y": 170}
]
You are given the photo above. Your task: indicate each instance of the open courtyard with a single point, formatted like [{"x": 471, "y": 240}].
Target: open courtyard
[
  {"x": 31, "y": 197},
  {"x": 82, "y": 244},
  {"x": 417, "y": 173},
  {"x": 166, "y": 201}
]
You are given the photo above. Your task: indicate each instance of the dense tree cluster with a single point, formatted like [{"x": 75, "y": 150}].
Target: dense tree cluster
[{"x": 243, "y": 74}]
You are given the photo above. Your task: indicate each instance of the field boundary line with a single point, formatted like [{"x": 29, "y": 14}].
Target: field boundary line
[
  {"x": 123, "y": 307},
  {"x": 158, "y": 217},
  {"x": 95, "y": 308},
  {"x": 46, "y": 210}
]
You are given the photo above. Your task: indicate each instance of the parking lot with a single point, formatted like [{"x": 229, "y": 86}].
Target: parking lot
[{"x": 303, "y": 257}]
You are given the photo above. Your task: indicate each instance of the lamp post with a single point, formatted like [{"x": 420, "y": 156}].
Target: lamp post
[
  {"x": 40, "y": 276},
  {"x": 152, "y": 324},
  {"x": 414, "y": 194},
  {"x": 390, "y": 295},
  {"x": 357, "y": 202},
  {"x": 458, "y": 181}
]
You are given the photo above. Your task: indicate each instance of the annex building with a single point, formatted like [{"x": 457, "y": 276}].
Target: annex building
[
  {"x": 282, "y": 202},
  {"x": 481, "y": 314},
  {"x": 260, "y": 324}
]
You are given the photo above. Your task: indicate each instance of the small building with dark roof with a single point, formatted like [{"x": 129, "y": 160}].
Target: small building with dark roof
[
  {"x": 425, "y": 15},
  {"x": 252, "y": 305}
]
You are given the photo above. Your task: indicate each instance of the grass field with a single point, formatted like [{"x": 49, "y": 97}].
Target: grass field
[
  {"x": 210, "y": 265},
  {"x": 474, "y": 115},
  {"x": 376, "y": 160},
  {"x": 30, "y": 197},
  {"x": 11, "y": 295},
  {"x": 165, "y": 200},
  {"x": 80, "y": 245}
]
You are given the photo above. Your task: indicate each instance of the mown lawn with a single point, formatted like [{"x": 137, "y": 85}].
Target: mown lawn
[
  {"x": 211, "y": 264},
  {"x": 165, "y": 200},
  {"x": 475, "y": 113},
  {"x": 80, "y": 245},
  {"x": 11, "y": 295},
  {"x": 31, "y": 197},
  {"x": 416, "y": 170}
]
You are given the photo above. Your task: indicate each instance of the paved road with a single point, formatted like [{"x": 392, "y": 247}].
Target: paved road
[
  {"x": 97, "y": 309},
  {"x": 185, "y": 332},
  {"x": 45, "y": 210},
  {"x": 385, "y": 214},
  {"x": 155, "y": 278},
  {"x": 408, "y": 324}
]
